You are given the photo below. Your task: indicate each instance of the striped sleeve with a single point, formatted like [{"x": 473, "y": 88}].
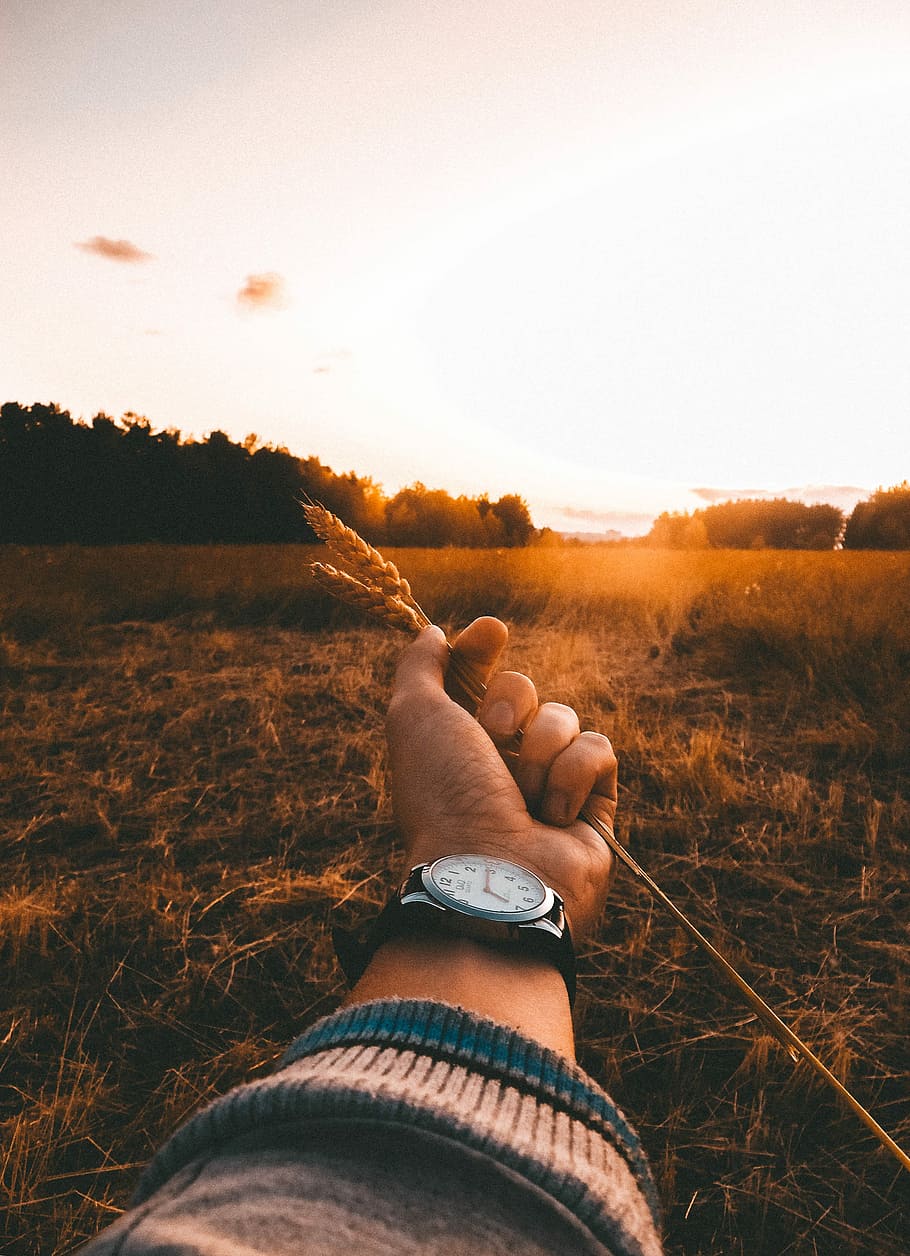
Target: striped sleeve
[{"x": 436, "y": 1068}]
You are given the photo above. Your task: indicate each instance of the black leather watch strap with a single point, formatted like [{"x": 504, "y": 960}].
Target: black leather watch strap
[{"x": 355, "y": 948}]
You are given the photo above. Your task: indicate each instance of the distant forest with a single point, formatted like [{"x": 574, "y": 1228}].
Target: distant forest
[
  {"x": 106, "y": 482},
  {"x": 881, "y": 522},
  {"x": 65, "y": 481}
]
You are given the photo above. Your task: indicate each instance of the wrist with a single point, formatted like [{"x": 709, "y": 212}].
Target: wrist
[{"x": 517, "y": 989}]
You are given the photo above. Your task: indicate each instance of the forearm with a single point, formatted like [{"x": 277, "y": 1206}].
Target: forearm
[{"x": 526, "y": 993}]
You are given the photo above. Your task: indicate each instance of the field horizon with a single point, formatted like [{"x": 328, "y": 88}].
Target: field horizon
[{"x": 195, "y": 787}]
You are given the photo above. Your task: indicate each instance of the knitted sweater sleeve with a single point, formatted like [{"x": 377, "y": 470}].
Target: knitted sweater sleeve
[{"x": 400, "y": 1126}]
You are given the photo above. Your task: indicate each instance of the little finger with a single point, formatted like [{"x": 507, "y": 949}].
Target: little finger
[{"x": 585, "y": 772}]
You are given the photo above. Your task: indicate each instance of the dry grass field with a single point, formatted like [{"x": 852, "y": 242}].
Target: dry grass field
[{"x": 192, "y": 780}]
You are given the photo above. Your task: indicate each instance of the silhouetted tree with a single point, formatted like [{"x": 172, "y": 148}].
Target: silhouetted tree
[
  {"x": 778, "y": 524},
  {"x": 420, "y": 516},
  {"x": 512, "y": 512},
  {"x": 417, "y": 515},
  {"x": 358, "y": 501},
  {"x": 882, "y": 521},
  {"x": 41, "y": 464},
  {"x": 679, "y": 531}
]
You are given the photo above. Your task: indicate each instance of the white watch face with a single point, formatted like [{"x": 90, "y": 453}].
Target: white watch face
[{"x": 484, "y": 886}]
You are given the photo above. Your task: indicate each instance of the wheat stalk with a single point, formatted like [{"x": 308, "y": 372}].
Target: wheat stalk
[
  {"x": 374, "y": 584},
  {"x": 378, "y": 588},
  {"x": 359, "y": 557}
]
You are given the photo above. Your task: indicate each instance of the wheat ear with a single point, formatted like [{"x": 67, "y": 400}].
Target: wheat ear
[
  {"x": 462, "y": 682},
  {"x": 384, "y": 599},
  {"x": 360, "y": 558},
  {"x": 373, "y": 600}
]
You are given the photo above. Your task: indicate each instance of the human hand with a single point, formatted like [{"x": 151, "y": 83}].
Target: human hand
[{"x": 456, "y": 787}]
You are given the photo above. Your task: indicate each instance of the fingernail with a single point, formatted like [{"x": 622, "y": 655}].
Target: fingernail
[{"x": 500, "y": 718}]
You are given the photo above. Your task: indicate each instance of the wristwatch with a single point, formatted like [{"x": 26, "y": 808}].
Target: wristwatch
[{"x": 478, "y": 896}]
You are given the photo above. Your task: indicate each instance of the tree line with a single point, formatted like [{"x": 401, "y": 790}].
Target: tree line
[
  {"x": 114, "y": 482},
  {"x": 881, "y": 522}
]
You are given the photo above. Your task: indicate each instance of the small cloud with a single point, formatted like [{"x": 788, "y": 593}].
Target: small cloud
[
  {"x": 608, "y": 517},
  {"x": 724, "y": 494},
  {"x": 843, "y": 495},
  {"x": 589, "y": 523},
  {"x": 114, "y": 250},
  {"x": 330, "y": 359},
  {"x": 263, "y": 292},
  {"x": 736, "y": 494}
]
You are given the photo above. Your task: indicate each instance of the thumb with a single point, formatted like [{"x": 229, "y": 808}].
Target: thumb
[
  {"x": 421, "y": 668},
  {"x": 481, "y": 643},
  {"x": 423, "y": 664}
]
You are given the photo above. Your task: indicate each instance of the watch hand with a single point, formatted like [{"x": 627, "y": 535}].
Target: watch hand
[{"x": 503, "y": 898}]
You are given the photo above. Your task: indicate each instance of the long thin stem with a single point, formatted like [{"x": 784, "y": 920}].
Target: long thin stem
[
  {"x": 796, "y": 1048},
  {"x": 471, "y": 694}
]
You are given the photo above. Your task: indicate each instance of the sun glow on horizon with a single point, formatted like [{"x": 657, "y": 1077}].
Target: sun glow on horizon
[
  {"x": 666, "y": 250},
  {"x": 513, "y": 337}
]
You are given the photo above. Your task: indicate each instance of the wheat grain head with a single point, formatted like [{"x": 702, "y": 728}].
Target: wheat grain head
[
  {"x": 374, "y": 585},
  {"x": 361, "y": 559},
  {"x": 372, "y": 599}
]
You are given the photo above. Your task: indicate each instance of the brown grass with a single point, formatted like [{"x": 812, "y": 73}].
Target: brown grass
[{"x": 189, "y": 781}]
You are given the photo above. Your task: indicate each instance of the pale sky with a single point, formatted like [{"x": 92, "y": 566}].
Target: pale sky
[{"x": 599, "y": 253}]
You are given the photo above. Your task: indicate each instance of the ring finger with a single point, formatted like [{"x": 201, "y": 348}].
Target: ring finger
[{"x": 551, "y": 730}]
